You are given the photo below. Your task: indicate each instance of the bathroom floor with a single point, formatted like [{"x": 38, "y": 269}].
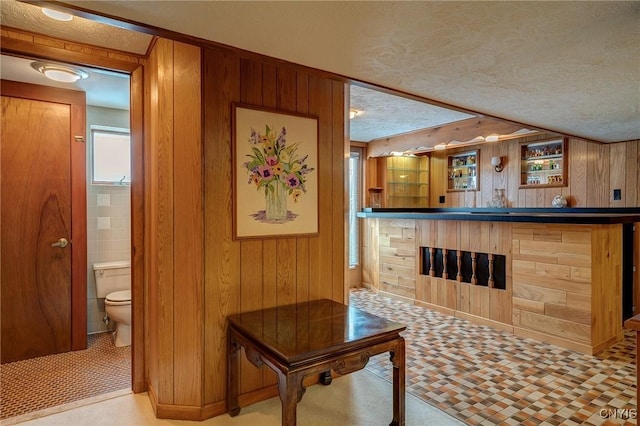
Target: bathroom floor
[{"x": 39, "y": 383}]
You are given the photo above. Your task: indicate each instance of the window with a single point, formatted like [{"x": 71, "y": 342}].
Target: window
[
  {"x": 111, "y": 156},
  {"x": 354, "y": 207}
]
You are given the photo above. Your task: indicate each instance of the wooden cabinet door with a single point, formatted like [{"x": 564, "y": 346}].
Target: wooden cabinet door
[{"x": 38, "y": 157}]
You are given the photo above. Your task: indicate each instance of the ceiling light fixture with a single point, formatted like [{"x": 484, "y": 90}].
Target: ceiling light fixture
[
  {"x": 492, "y": 138},
  {"x": 61, "y": 73},
  {"x": 353, "y": 113},
  {"x": 57, "y": 15},
  {"x": 440, "y": 147}
]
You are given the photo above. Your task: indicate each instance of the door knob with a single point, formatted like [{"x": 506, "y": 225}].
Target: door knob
[{"x": 62, "y": 243}]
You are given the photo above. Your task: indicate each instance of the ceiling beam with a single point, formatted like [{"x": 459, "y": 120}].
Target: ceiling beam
[{"x": 426, "y": 139}]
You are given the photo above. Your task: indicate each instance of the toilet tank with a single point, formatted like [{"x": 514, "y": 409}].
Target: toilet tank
[{"x": 112, "y": 276}]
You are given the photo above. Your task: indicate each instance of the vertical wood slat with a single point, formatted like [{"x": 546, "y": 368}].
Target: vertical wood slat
[
  {"x": 269, "y": 292},
  {"x": 598, "y": 174},
  {"x": 286, "y": 99},
  {"x": 302, "y": 243},
  {"x": 138, "y": 239},
  {"x": 165, "y": 221},
  {"x": 630, "y": 196},
  {"x": 222, "y": 254},
  {"x": 151, "y": 222},
  {"x": 320, "y": 285},
  {"x": 578, "y": 162},
  {"x": 253, "y": 289},
  {"x": 340, "y": 191},
  {"x": 188, "y": 221},
  {"x": 618, "y": 173}
]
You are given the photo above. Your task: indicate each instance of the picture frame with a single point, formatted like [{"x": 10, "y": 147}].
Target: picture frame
[{"x": 275, "y": 173}]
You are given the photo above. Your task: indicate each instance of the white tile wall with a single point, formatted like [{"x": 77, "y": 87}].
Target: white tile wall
[{"x": 108, "y": 219}]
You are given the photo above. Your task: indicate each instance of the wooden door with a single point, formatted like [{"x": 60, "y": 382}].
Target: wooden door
[{"x": 43, "y": 200}]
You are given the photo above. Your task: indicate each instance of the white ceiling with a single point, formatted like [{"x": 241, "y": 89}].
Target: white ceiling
[
  {"x": 103, "y": 88},
  {"x": 570, "y": 67}
]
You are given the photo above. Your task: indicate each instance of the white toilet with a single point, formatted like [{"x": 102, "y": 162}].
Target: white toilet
[{"x": 113, "y": 282}]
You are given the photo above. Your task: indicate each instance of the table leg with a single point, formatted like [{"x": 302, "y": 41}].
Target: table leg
[
  {"x": 288, "y": 391},
  {"x": 398, "y": 360},
  {"x": 233, "y": 361}
]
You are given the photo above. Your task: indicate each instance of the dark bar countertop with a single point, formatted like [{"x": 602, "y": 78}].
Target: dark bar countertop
[{"x": 582, "y": 215}]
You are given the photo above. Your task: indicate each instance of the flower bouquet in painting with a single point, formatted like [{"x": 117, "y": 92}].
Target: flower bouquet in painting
[{"x": 278, "y": 171}]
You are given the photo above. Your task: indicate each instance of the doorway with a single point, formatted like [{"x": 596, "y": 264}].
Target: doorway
[
  {"x": 133, "y": 74},
  {"x": 106, "y": 230}
]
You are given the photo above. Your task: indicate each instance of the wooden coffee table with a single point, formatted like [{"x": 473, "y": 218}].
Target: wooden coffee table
[{"x": 309, "y": 338}]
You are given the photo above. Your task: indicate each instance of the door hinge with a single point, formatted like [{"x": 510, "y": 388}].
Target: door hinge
[{"x": 79, "y": 139}]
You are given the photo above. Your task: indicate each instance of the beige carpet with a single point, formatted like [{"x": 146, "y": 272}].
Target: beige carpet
[{"x": 361, "y": 398}]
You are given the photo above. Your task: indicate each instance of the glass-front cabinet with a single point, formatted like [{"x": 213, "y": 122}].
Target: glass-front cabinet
[
  {"x": 462, "y": 171},
  {"x": 544, "y": 164},
  {"x": 406, "y": 181}
]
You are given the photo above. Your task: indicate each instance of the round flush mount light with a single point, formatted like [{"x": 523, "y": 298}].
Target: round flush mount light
[
  {"x": 61, "y": 73},
  {"x": 57, "y": 15}
]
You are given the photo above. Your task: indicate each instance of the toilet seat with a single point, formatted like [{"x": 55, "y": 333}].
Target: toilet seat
[{"x": 118, "y": 298}]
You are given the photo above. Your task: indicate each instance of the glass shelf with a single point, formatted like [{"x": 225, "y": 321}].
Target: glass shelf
[
  {"x": 544, "y": 163},
  {"x": 462, "y": 171}
]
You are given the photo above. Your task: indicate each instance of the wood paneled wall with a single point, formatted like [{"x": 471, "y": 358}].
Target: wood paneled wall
[
  {"x": 594, "y": 171},
  {"x": 253, "y": 274},
  {"x": 174, "y": 230}
]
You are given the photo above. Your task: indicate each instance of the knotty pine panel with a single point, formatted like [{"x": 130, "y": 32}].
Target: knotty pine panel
[{"x": 289, "y": 269}]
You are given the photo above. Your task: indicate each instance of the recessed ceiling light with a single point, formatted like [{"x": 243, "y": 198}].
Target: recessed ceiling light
[
  {"x": 57, "y": 15},
  {"x": 61, "y": 73}
]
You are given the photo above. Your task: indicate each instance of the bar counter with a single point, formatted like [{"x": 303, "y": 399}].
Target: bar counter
[
  {"x": 532, "y": 215},
  {"x": 556, "y": 275}
]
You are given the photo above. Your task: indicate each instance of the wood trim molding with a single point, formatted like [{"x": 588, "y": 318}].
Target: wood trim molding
[
  {"x": 21, "y": 43},
  {"x": 464, "y": 130}
]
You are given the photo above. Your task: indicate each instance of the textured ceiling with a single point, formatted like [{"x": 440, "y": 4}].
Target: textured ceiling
[
  {"x": 571, "y": 67},
  {"x": 103, "y": 88},
  {"x": 382, "y": 115}
]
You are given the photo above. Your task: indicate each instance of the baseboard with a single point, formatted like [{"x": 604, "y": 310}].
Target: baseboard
[
  {"x": 558, "y": 341},
  {"x": 195, "y": 413},
  {"x": 484, "y": 321},
  {"x": 437, "y": 308}
]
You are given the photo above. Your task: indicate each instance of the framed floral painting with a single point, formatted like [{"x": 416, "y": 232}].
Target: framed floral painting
[{"x": 275, "y": 160}]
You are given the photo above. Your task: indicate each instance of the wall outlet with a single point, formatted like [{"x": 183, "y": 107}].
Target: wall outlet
[
  {"x": 617, "y": 194},
  {"x": 441, "y": 199}
]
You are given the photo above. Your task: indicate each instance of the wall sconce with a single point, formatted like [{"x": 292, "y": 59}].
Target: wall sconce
[
  {"x": 353, "y": 113},
  {"x": 496, "y": 162}
]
